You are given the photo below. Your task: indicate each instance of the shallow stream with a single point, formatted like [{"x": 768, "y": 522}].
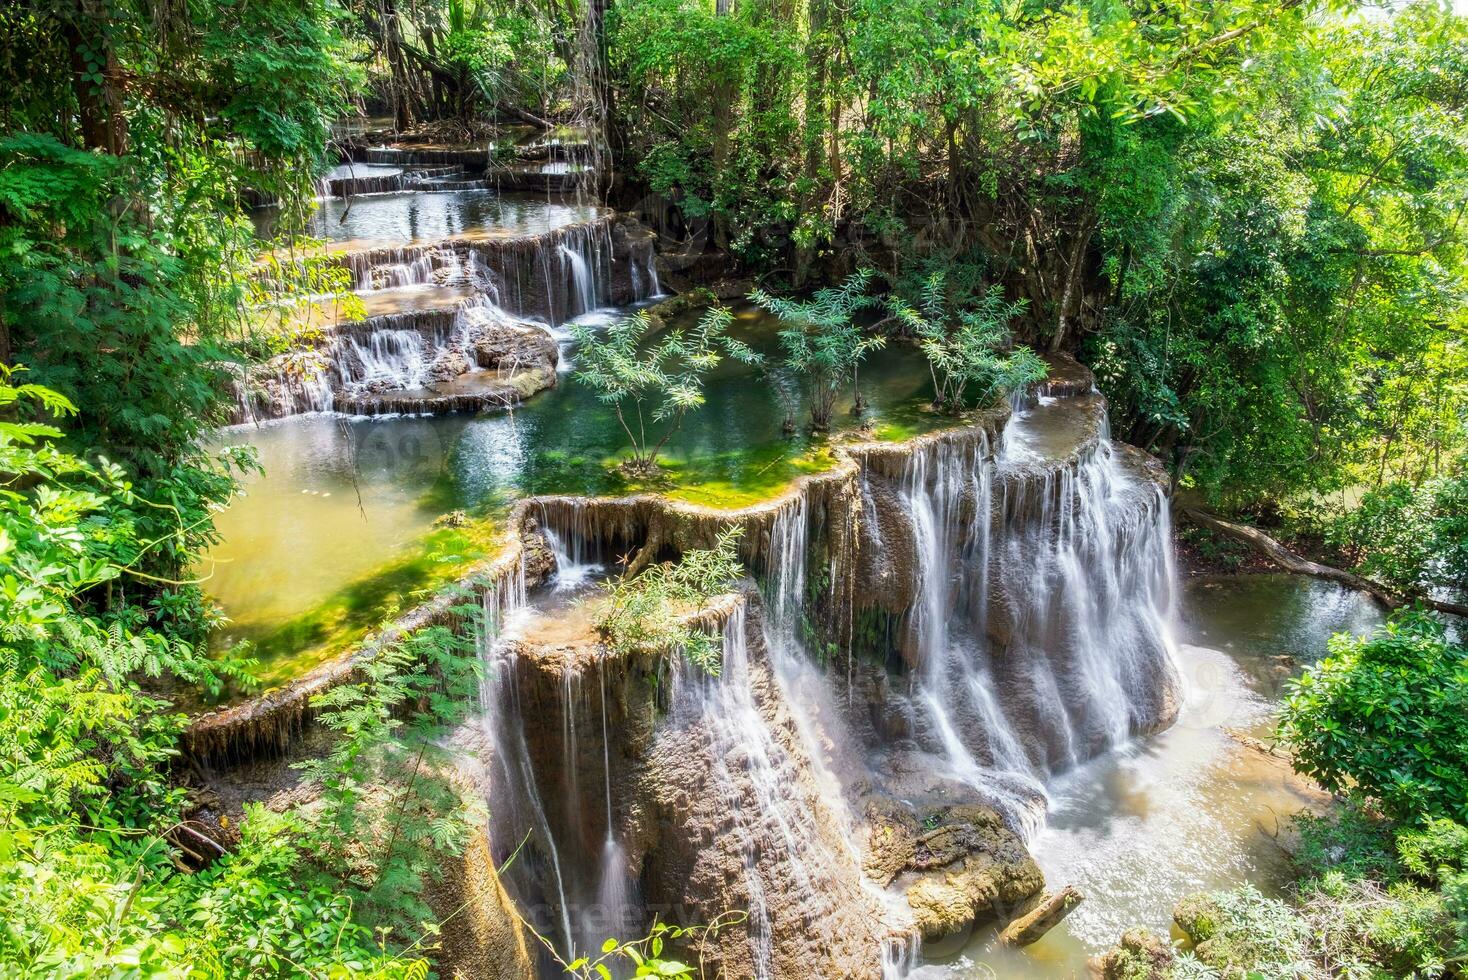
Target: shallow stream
[{"x": 1190, "y": 809}]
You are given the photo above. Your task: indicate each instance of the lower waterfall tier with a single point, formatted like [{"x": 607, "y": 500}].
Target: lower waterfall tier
[
  {"x": 996, "y": 608},
  {"x": 933, "y": 630}
]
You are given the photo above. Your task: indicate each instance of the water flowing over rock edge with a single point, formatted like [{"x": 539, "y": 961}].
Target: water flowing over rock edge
[{"x": 864, "y": 908}]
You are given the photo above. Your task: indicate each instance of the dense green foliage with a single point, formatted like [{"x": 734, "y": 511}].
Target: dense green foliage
[
  {"x": 1386, "y": 717},
  {"x": 1413, "y": 537},
  {"x": 131, "y": 137},
  {"x": 1246, "y": 214},
  {"x": 102, "y": 869},
  {"x": 965, "y": 337},
  {"x": 1368, "y": 904}
]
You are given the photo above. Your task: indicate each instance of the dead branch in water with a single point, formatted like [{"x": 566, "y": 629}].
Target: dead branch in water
[{"x": 1291, "y": 562}]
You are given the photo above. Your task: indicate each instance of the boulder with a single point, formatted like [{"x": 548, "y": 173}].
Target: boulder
[
  {"x": 514, "y": 345},
  {"x": 961, "y": 863},
  {"x": 1141, "y": 955}
]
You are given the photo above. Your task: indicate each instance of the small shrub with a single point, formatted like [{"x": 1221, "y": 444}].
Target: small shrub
[
  {"x": 1241, "y": 933},
  {"x": 1351, "y": 842},
  {"x": 649, "y": 611},
  {"x": 1385, "y": 718}
]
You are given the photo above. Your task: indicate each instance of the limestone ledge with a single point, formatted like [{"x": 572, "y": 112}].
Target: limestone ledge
[{"x": 649, "y": 527}]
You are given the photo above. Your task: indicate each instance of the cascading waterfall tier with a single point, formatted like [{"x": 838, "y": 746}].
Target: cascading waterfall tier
[
  {"x": 1038, "y": 631},
  {"x": 470, "y": 357},
  {"x": 490, "y": 350},
  {"x": 941, "y": 626}
]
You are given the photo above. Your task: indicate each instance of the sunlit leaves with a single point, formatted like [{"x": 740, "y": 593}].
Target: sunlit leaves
[
  {"x": 821, "y": 339},
  {"x": 1386, "y": 719},
  {"x": 968, "y": 344},
  {"x": 653, "y": 610},
  {"x": 646, "y": 379}
]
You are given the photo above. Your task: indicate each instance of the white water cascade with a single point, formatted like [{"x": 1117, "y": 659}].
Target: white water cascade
[
  {"x": 1024, "y": 627},
  {"x": 616, "y": 904},
  {"x": 768, "y": 821},
  {"x": 516, "y": 809},
  {"x": 1045, "y": 639},
  {"x": 390, "y": 358},
  {"x": 583, "y": 287}
]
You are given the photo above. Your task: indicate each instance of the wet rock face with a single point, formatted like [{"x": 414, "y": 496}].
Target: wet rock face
[
  {"x": 489, "y": 364},
  {"x": 956, "y": 864},
  {"x": 388, "y": 362},
  {"x": 515, "y": 345},
  {"x": 886, "y": 573},
  {"x": 742, "y": 825},
  {"x": 481, "y": 936}
]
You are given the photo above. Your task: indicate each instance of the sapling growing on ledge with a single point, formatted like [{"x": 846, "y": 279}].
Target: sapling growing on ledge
[
  {"x": 965, "y": 343},
  {"x": 652, "y": 609},
  {"x": 822, "y": 344},
  {"x": 652, "y": 386}
]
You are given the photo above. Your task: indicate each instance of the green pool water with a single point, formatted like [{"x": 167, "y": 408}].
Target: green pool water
[{"x": 339, "y": 533}]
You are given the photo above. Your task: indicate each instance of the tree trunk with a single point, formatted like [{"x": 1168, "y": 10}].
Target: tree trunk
[
  {"x": 392, "y": 44},
  {"x": 99, "y": 103},
  {"x": 1072, "y": 294},
  {"x": 1030, "y": 927},
  {"x": 1291, "y": 562}
]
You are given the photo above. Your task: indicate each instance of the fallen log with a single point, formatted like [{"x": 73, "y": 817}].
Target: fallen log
[
  {"x": 1031, "y": 926},
  {"x": 1291, "y": 562}
]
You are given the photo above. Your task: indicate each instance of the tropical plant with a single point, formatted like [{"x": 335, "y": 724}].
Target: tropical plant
[
  {"x": 389, "y": 813},
  {"x": 653, "y": 609},
  {"x": 1385, "y": 718},
  {"x": 822, "y": 342},
  {"x": 97, "y": 859},
  {"x": 966, "y": 347},
  {"x": 652, "y": 385}
]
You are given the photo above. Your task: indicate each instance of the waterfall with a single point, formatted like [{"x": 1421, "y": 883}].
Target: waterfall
[
  {"x": 943, "y": 483},
  {"x": 900, "y": 956},
  {"x": 574, "y": 569},
  {"x": 304, "y": 387},
  {"x": 644, "y": 273},
  {"x": 767, "y": 819},
  {"x": 386, "y": 358},
  {"x": 515, "y": 805},
  {"x": 1045, "y": 640},
  {"x": 583, "y": 289},
  {"x": 615, "y": 899}
]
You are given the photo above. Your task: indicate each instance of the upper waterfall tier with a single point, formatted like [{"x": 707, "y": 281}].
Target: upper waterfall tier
[
  {"x": 408, "y": 217},
  {"x": 439, "y": 314}
]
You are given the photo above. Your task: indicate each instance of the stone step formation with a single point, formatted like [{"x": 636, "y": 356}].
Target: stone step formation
[
  {"x": 458, "y": 322},
  {"x": 932, "y": 629}
]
